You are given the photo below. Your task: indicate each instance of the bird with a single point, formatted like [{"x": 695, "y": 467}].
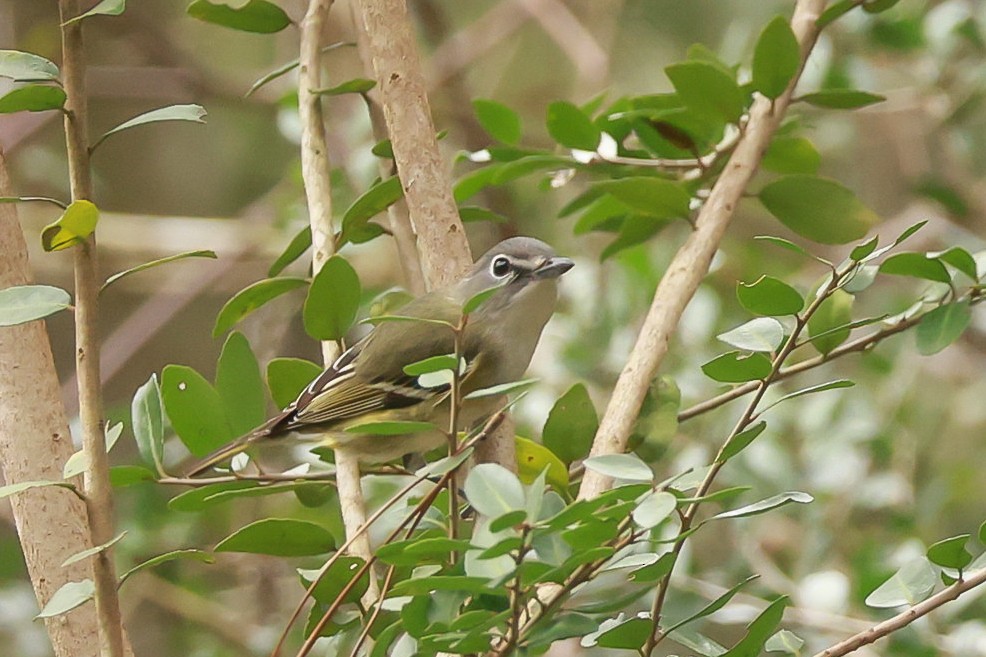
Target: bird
[{"x": 367, "y": 383}]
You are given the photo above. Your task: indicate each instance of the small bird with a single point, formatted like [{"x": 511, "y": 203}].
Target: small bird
[{"x": 367, "y": 383}]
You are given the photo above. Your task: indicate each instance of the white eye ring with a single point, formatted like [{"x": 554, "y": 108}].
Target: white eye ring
[{"x": 500, "y": 266}]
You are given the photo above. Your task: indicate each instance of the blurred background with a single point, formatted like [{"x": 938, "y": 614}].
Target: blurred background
[{"x": 895, "y": 463}]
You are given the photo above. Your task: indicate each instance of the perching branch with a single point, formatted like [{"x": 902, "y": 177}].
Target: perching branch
[
  {"x": 904, "y": 618},
  {"x": 692, "y": 261},
  {"x": 99, "y": 501}
]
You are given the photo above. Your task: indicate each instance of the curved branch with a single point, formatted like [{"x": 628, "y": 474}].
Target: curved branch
[
  {"x": 904, "y": 618},
  {"x": 691, "y": 262}
]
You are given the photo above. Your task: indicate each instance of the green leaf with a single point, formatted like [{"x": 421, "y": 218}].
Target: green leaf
[
  {"x": 862, "y": 251},
  {"x": 156, "y": 263},
  {"x": 379, "y": 197},
  {"x": 26, "y": 303},
  {"x": 355, "y": 86},
  {"x": 654, "y": 509},
  {"x": 203, "y": 497},
  {"x": 961, "y": 259},
  {"x": 737, "y": 367},
  {"x": 68, "y": 597},
  {"x": 942, "y": 326},
  {"x": 785, "y": 641},
  {"x": 571, "y": 127},
  {"x": 654, "y": 197},
  {"x": 951, "y": 552},
  {"x": 835, "y": 11},
  {"x": 842, "y": 99},
  {"x": 26, "y": 67},
  {"x": 390, "y": 428},
  {"x": 287, "y": 377},
  {"x": 79, "y": 461},
  {"x": 85, "y": 554},
  {"x": 775, "y": 58},
  {"x": 128, "y": 475},
  {"x": 761, "y": 334},
  {"x": 338, "y": 576},
  {"x": 765, "y": 505},
  {"x": 104, "y": 8},
  {"x": 257, "y": 16},
  {"x": 783, "y": 243},
  {"x": 252, "y": 297},
  {"x": 759, "y": 630},
  {"x": 148, "y": 422},
  {"x": 480, "y": 298},
  {"x": 917, "y": 265},
  {"x": 741, "y": 441},
  {"x": 32, "y": 98},
  {"x": 187, "y": 553},
  {"x": 507, "y": 521},
  {"x": 73, "y": 227},
  {"x": 654, "y": 571},
  {"x": 493, "y": 490},
  {"x": 21, "y": 486},
  {"x": 770, "y": 296},
  {"x": 195, "y": 410},
  {"x": 192, "y": 113},
  {"x": 502, "y": 389},
  {"x": 635, "y": 230},
  {"x": 821, "y": 387},
  {"x": 571, "y": 425},
  {"x": 471, "y": 214},
  {"x": 300, "y": 243},
  {"x": 620, "y": 633},
  {"x": 791, "y": 155},
  {"x": 498, "y": 120},
  {"x": 433, "y": 364},
  {"x": 627, "y": 467},
  {"x": 281, "y": 537},
  {"x": 819, "y": 209},
  {"x": 911, "y": 584},
  {"x": 707, "y": 90},
  {"x": 239, "y": 385},
  {"x": 834, "y": 312},
  {"x": 534, "y": 458},
  {"x": 416, "y": 551},
  {"x": 712, "y": 607}
]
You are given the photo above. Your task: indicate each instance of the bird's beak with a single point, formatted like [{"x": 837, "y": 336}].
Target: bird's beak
[{"x": 553, "y": 267}]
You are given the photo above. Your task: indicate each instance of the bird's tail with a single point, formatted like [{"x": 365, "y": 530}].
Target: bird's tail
[{"x": 227, "y": 451}]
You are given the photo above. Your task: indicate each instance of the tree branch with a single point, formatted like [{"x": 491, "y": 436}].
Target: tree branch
[
  {"x": 98, "y": 491},
  {"x": 35, "y": 442},
  {"x": 904, "y": 618},
  {"x": 691, "y": 262},
  {"x": 393, "y": 53}
]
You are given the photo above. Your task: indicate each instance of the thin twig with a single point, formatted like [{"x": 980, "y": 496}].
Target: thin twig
[
  {"x": 99, "y": 500},
  {"x": 904, "y": 618}
]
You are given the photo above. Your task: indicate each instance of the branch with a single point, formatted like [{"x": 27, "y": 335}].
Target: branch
[
  {"x": 692, "y": 261},
  {"x": 315, "y": 171},
  {"x": 99, "y": 501},
  {"x": 904, "y": 618},
  {"x": 35, "y": 442},
  {"x": 393, "y": 53}
]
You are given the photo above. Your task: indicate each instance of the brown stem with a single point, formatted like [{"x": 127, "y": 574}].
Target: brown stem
[
  {"x": 691, "y": 262},
  {"x": 99, "y": 504},
  {"x": 904, "y": 618}
]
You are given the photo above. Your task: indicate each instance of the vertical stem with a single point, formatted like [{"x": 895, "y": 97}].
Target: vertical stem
[
  {"x": 315, "y": 172},
  {"x": 99, "y": 501}
]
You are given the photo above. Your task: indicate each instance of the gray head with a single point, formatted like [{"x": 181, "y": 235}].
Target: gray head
[{"x": 513, "y": 265}]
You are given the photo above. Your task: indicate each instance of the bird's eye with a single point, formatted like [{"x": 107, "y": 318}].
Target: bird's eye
[{"x": 500, "y": 266}]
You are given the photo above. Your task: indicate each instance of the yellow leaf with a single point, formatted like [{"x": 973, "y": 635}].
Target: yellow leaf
[
  {"x": 533, "y": 458},
  {"x": 75, "y": 225}
]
